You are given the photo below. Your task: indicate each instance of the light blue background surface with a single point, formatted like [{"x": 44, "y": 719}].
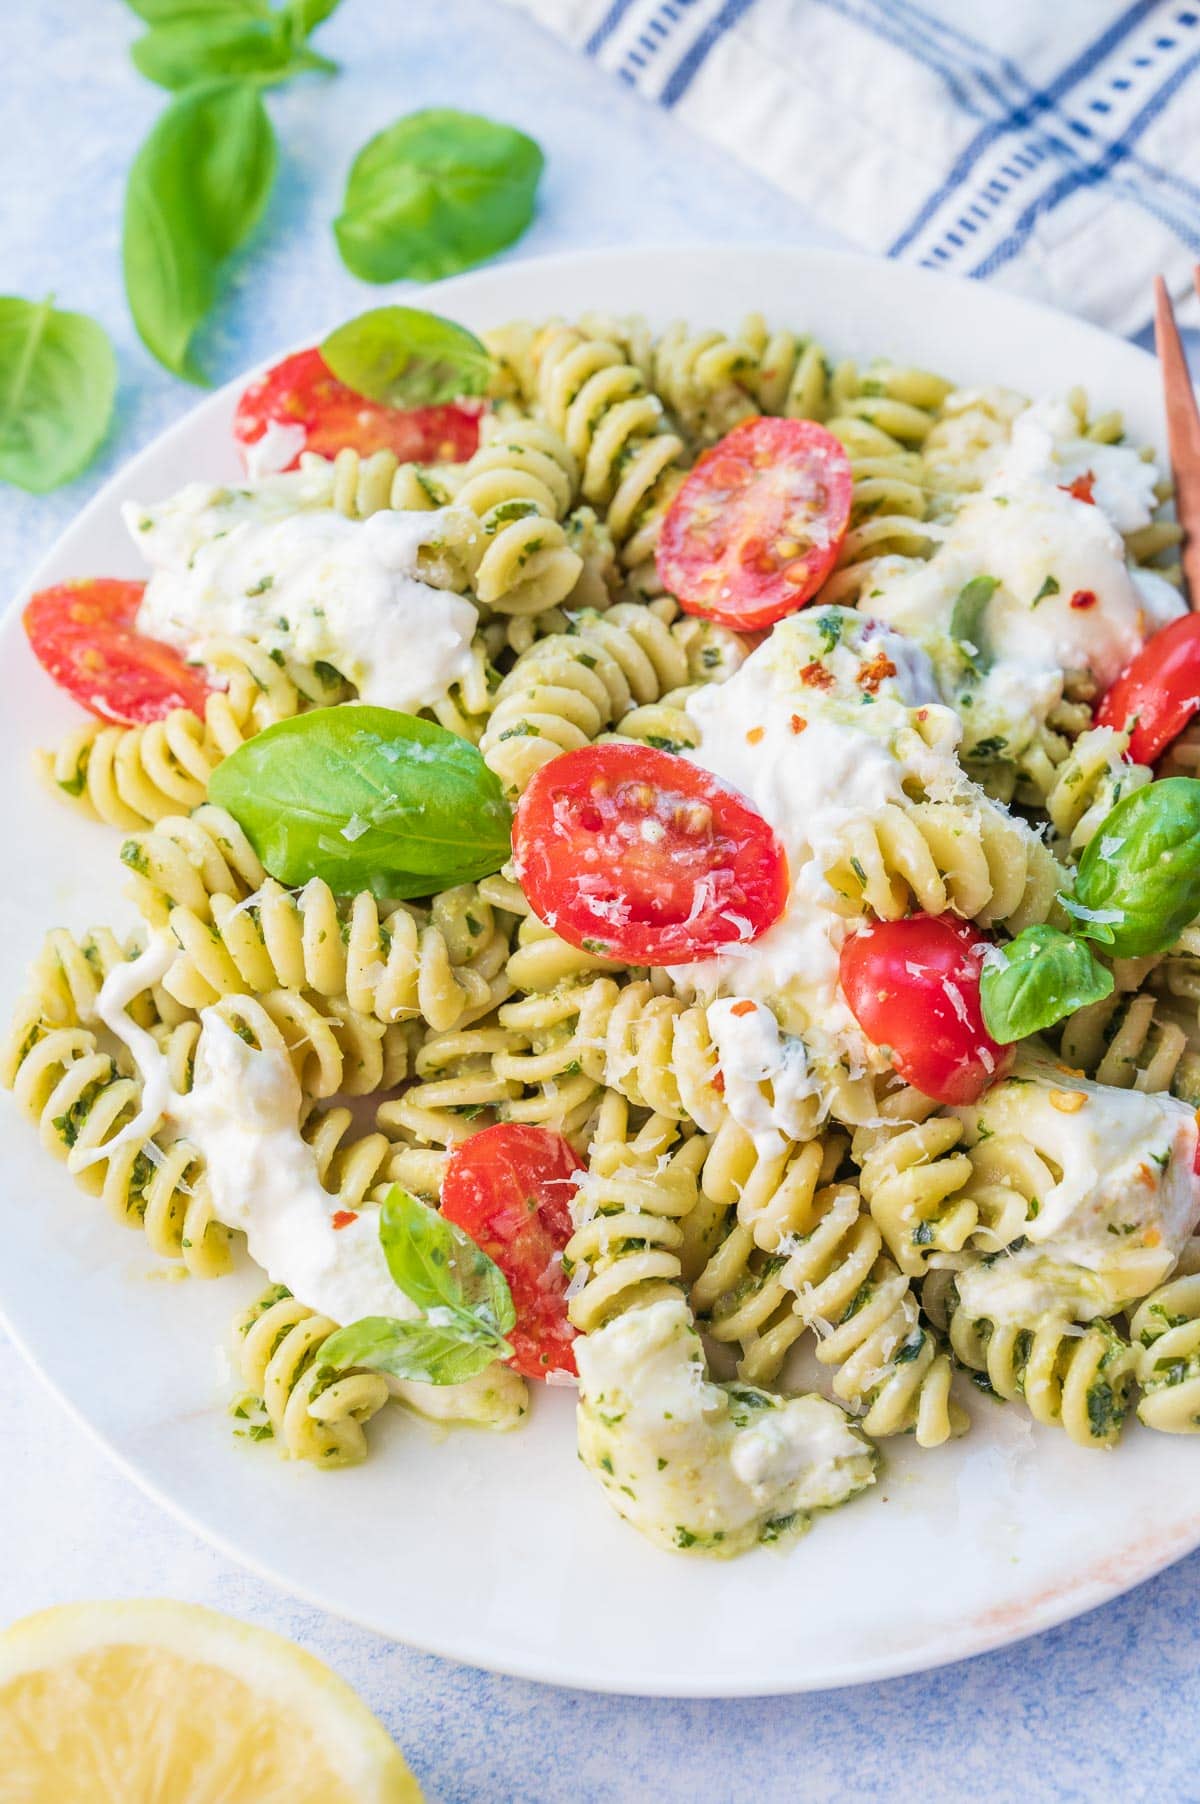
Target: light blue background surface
[{"x": 1108, "y": 1706}]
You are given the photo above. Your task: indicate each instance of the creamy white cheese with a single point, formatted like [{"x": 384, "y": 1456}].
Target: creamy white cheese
[
  {"x": 810, "y": 741},
  {"x": 768, "y": 1087},
  {"x": 269, "y": 563},
  {"x": 242, "y": 1114},
  {"x": 700, "y": 1465},
  {"x": 280, "y": 445},
  {"x": 1046, "y": 444},
  {"x": 1117, "y": 1200},
  {"x": 1066, "y": 596}
]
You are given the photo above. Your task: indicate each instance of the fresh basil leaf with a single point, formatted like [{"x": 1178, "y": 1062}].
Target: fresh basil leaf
[
  {"x": 435, "y": 193},
  {"x": 306, "y": 15},
  {"x": 58, "y": 381},
  {"x": 438, "y": 1266},
  {"x": 366, "y": 798},
  {"x": 1037, "y": 979},
  {"x": 407, "y": 358},
  {"x": 1139, "y": 877},
  {"x": 165, "y": 12},
  {"x": 196, "y": 191},
  {"x": 191, "y": 49},
  {"x": 418, "y": 1351},
  {"x": 465, "y": 1303},
  {"x": 966, "y": 621}
]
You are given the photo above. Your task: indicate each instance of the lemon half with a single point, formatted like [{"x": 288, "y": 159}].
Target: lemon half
[{"x": 154, "y": 1702}]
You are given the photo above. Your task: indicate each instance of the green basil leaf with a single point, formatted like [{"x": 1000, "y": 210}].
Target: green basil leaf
[
  {"x": 196, "y": 190},
  {"x": 191, "y": 49},
  {"x": 418, "y": 1351},
  {"x": 435, "y": 193},
  {"x": 966, "y": 621},
  {"x": 1039, "y": 978},
  {"x": 1138, "y": 882},
  {"x": 58, "y": 381},
  {"x": 165, "y": 12},
  {"x": 407, "y": 358},
  {"x": 306, "y": 15},
  {"x": 366, "y": 798},
  {"x": 440, "y": 1267}
]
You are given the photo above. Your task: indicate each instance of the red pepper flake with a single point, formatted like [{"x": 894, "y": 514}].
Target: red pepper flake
[
  {"x": 719, "y": 1086},
  {"x": 344, "y": 1217},
  {"x": 1084, "y": 598},
  {"x": 743, "y": 1008},
  {"x": 754, "y": 735},
  {"x": 1082, "y": 488},
  {"x": 816, "y": 676},
  {"x": 871, "y": 675},
  {"x": 798, "y": 723}
]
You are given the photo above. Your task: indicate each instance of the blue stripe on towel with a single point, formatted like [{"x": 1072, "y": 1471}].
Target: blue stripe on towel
[
  {"x": 1038, "y": 102},
  {"x": 607, "y": 26},
  {"x": 690, "y": 64},
  {"x": 1095, "y": 172}
]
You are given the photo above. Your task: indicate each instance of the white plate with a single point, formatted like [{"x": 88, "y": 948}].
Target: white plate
[{"x": 499, "y": 1550}]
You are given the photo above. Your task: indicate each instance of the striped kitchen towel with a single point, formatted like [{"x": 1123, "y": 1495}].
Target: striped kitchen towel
[{"x": 1050, "y": 145}]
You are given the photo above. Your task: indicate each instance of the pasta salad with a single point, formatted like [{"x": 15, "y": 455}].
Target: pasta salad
[{"x": 668, "y": 866}]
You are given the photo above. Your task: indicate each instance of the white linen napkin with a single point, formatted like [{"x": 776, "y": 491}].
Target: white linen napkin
[{"x": 1051, "y": 146}]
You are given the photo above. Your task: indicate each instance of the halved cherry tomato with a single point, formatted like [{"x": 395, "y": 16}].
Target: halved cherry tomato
[
  {"x": 1159, "y": 690},
  {"x": 84, "y": 634},
  {"x": 913, "y": 987},
  {"x": 303, "y": 391},
  {"x": 636, "y": 854},
  {"x": 757, "y": 526},
  {"x": 510, "y": 1187}
]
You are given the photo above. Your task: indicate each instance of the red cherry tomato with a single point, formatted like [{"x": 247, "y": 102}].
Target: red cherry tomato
[
  {"x": 1159, "y": 690},
  {"x": 510, "y": 1187},
  {"x": 758, "y": 524},
  {"x": 913, "y": 986},
  {"x": 84, "y": 635},
  {"x": 636, "y": 854},
  {"x": 303, "y": 391}
]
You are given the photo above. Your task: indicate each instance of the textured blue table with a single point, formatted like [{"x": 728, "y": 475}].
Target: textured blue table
[{"x": 1106, "y": 1707}]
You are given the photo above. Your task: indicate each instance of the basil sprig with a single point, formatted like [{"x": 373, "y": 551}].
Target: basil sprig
[
  {"x": 966, "y": 622},
  {"x": 202, "y": 177},
  {"x": 435, "y": 193},
  {"x": 187, "y": 43},
  {"x": 1036, "y": 980},
  {"x": 407, "y": 358},
  {"x": 1137, "y": 887},
  {"x": 366, "y": 798},
  {"x": 465, "y": 1303},
  {"x": 196, "y": 191},
  {"x": 58, "y": 381}
]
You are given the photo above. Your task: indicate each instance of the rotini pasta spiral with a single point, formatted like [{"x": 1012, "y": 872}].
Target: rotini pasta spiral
[
  {"x": 568, "y": 688},
  {"x": 801, "y": 1252},
  {"x": 630, "y": 461},
  {"x": 627, "y": 1238},
  {"x": 1165, "y": 1330},
  {"x": 519, "y": 484},
  {"x": 131, "y": 776},
  {"x": 1080, "y": 1379},
  {"x": 456, "y": 1090},
  {"x": 82, "y": 1105},
  {"x": 967, "y": 855},
  {"x": 445, "y": 964},
  {"x": 315, "y": 1412},
  {"x": 1088, "y": 784},
  {"x": 915, "y": 1179},
  {"x": 1132, "y": 1042}
]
